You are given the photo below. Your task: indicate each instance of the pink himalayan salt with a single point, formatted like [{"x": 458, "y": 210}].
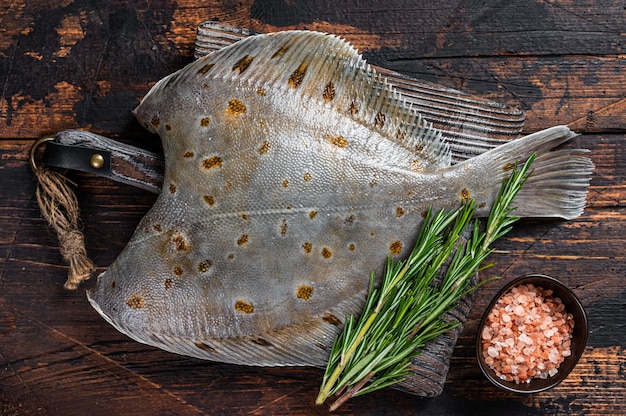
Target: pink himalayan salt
[{"x": 528, "y": 334}]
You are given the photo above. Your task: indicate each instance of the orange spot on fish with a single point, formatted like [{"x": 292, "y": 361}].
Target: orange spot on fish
[
  {"x": 353, "y": 108},
  {"x": 465, "y": 194},
  {"x": 205, "y": 347},
  {"x": 261, "y": 341},
  {"x": 135, "y": 302},
  {"x": 206, "y": 68},
  {"x": 244, "y": 307},
  {"x": 304, "y": 292},
  {"x": 395, "y": 247},
  {"x": 331, "y": 319},
  {"x": 180, "y": 243},
  {"x": 297, "y": 76},
  {"x": 339, "y": 141},
  {"x": 204, "y": 266},
  {"x": 307, "y": 247},
  {"x": 379, "y": 120},
  {"x": 236, "y": 107},
  {"x": 265, "y": 147},
  {"x": 212, "y": 162},
  {"x": 243, "y": 64},
  {"x": 280, "y": 52},
  {"x": 329, "y": 92},
  {"x": 243, "y": 240},
  {"x": 209, "y": 200}
]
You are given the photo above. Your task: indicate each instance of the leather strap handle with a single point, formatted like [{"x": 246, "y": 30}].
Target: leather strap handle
[{"x": 99, "y": 155}]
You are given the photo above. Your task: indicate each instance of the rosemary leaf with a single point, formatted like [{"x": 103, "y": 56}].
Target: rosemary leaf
[{"x": 407, "y": 310}]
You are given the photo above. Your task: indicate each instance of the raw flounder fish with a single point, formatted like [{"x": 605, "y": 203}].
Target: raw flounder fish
[{"x": 292, "y": 170}]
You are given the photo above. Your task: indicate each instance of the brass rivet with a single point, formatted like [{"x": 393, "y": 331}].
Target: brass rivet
[{"x": 96, "y": 161}]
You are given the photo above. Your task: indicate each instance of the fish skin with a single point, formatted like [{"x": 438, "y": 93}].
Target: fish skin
[{"x": 292, "y": 171}]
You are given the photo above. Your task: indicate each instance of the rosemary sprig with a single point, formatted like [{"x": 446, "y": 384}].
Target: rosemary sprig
[{"x": 408, "y": 308}]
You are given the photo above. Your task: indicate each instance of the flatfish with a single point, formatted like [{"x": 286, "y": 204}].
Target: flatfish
[{"x": 292, "y": 169}]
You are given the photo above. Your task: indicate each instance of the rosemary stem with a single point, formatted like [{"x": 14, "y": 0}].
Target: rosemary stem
[
  {"x": 330, "y": 383},
  {"x": 350, "y": 393}
]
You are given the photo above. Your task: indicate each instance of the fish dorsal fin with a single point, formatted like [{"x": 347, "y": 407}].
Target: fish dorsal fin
[
  {"x": 471, "y": 125},
  {"x": 327, "y": 69}
]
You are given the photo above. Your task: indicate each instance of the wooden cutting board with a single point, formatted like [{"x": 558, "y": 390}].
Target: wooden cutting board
[{"x": 83, "y": 64}]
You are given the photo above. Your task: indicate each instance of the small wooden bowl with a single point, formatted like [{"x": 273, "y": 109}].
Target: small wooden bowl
[{"x": 579, "y": 336}]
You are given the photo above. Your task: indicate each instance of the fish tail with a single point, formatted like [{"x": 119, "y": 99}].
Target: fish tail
[{"x": 560, "y": 178}]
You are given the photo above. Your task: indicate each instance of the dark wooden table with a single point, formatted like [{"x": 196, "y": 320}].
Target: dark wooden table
[{"x": 85, "y": 64}]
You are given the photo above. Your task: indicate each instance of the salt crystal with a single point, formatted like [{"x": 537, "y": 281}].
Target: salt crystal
[
  {"x": 519, "y": 310},
  {"x": 552, "y": 372},
  {"x": 486, "y": 333},
  {"x": 492, "y": 352},
  {"x": 553, "y": 356},
  {"x": 526, "y": 339}
]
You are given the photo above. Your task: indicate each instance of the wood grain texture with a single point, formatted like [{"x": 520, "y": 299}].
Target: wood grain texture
[{"x": 86, "y": 64}]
